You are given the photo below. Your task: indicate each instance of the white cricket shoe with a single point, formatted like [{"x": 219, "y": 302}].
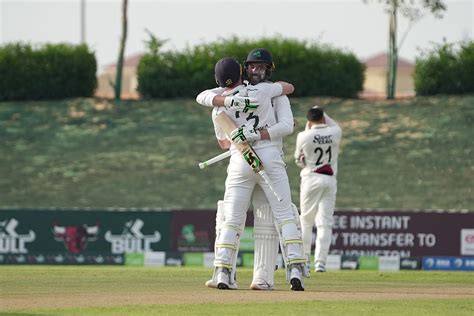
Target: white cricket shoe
[
  {"x": 320, "y": 266},
  {"x": 296, "y": 277},
  {"x": 261, "y": 285},
  {"x": 213, "y": 284},
  {"x": 223, "y": 279}
]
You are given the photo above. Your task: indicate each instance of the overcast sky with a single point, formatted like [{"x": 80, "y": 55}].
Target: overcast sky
[{"x": 346, "y": 24}]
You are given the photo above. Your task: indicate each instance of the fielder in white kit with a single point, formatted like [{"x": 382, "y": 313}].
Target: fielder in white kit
[
  {"x": 317, "y": 150},
  {"x": 241, "y": 180}
]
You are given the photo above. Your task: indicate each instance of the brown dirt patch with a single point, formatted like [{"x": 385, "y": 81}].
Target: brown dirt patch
[{"x": 65, "y": 300}]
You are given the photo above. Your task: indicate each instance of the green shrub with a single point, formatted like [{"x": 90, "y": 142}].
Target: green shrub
[
  {"x": 445, "y": 70},
  {"x": 466, "y": 67},
  {"x": 52, "y": 71},
  {"x": 313, "y": 69}
]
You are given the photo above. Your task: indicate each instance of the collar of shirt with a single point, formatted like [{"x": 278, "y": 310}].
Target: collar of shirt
[{"x": 319, "y": 126}]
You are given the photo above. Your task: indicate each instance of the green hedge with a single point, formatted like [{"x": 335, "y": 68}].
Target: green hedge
[
  {"x": 445, "y": 70},
  {"x": 52, "y": 71},
  {"x": 315, "y": 70}
]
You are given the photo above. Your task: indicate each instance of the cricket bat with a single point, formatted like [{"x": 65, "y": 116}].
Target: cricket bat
[
  {"x": 248, "y": 153},
  {"x": 215, "y": 159}
]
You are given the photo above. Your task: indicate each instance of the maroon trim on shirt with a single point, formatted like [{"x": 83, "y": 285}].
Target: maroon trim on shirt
[{"x": 325, "y": 169}]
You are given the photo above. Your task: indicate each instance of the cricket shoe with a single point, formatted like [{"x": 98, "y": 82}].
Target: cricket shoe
[
  {"x": 320, "y": 267},
  {"x": 296, "y": 277},
  {"x": 261, "y": 285},
  {"x": 223, "y": 279},
  {"x": 306, "y": 270},
  {"x": 213, "y": 284}
]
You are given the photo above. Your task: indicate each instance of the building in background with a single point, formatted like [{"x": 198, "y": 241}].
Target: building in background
[
  {"x": 375, "y": 84},
  {"x": 106, "y": 79}
]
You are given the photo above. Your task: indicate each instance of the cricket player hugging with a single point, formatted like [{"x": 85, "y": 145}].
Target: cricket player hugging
[{"x": 240, "y": 118}]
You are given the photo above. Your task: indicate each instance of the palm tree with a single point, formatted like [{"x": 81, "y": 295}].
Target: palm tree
[{"x": 123, "y": 39}]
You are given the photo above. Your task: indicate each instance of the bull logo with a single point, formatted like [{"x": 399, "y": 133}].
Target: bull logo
[
  {"x": 132, "y": 239},
  {"x": 75, "y": 238},
  {"x": 10, "y": 240}
]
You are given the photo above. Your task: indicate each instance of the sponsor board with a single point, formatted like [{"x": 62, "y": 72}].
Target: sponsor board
[
  {"x": 154, "y": 258},
  {"x": 174, "y": 258},
  {"x": 134, "y": 259},
  {"x": 412, "y": 263},
  {"x": 349, "y": 263},
  {"x": 247, "y": 241},
  {"x": 389, "y": 263},
  {"x": 75, "y": 238},
  {"x": 62, "y": 258},
  {"x": 83, "y": 231},
  {"x": 193, "y": 259},
  {"x": 11, "y": 241},
  {"x": 132, "y": 239},
  {"x": 401, "y": 233},
  {"x": 247, "y": 259},
  {"x": 333, "y": 262},
  {"x": 193, "y": 239},
  {"x": 448, "y": 263},
  {"x": 368, "y": 263},
  {"x": 467, "y": 242},
  {"x": 193, "y": 231}
]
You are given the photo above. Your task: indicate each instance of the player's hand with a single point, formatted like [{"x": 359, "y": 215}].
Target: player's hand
[
  {"x": 244, "y": 134},
  {"x": 301, "y": 162},
  {"x": 241, "y": 103}
]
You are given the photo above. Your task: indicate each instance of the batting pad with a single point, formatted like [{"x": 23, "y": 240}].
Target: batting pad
[{"x": 266, "y": 246}]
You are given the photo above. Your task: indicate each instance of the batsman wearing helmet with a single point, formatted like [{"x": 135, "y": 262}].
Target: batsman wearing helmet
[
  {"x": 266, "y": 138},
  {"x": 259, "y": 66}
]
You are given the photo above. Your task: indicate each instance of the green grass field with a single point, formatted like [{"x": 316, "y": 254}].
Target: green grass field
[
  {"x": 401, "y": 154},
  {"x": 53, "y": 290}
]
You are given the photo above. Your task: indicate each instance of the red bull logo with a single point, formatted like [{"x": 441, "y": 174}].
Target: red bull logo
[{"x": 75, "y": 238}]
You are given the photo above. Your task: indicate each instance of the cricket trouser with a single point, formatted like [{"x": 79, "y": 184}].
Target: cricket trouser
[
  {"x": 240, "y": 184},
  {"x": 317, "y": 202},
  {"x": 266, "y": 243}
]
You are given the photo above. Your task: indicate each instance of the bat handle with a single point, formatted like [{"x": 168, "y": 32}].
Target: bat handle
[{"x": 213, "y": 160}]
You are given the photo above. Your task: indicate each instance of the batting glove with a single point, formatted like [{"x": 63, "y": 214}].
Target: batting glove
[
  {"x": 244, "y": 134},
  {"x": 241, "y": 103}
]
